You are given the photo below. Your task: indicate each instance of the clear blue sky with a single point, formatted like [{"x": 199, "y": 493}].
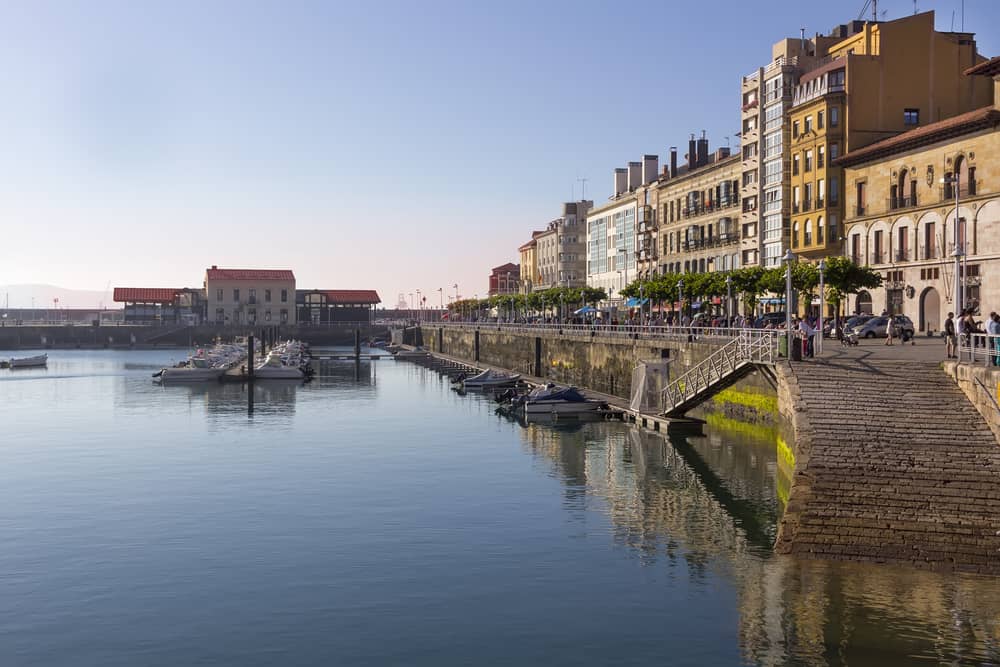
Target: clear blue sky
[{"x": 393, "y": 145}]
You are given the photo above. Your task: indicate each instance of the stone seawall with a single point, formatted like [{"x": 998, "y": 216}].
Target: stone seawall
[{"x": 981, "y": 385}]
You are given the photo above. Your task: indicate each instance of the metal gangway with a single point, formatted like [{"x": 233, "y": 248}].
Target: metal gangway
[{"x": 750, "y": 349}]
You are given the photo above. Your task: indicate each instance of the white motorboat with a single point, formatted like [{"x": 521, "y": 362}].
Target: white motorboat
[
  {"x": 415, "y": 353},
  {"x": 30, "y": 362},
  {"x": 273, "y": 368},
  {"x": 559, "y": 401},
  {"x": 490, "y": 379},
  {"x": 198, "y": 369}
]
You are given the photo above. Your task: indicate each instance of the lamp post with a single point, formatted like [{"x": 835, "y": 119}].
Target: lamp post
[
  {"x": 641, "y": 308},
  {"x": 822, "y": 303},
  {"x": 729, "y": 301},
  {"x": 955, "y": 181},
  {"x": 420, "y": 307},
  {"x": 411, "y": 305},
  {"x": 788, "y": 259},
  {"x": 680, "y": 301}
]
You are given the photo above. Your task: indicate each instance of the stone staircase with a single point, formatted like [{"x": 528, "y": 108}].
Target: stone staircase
[{"x": 894, "y": 464}]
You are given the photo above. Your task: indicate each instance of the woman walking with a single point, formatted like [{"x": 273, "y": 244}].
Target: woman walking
[{"x": 889, "y": 326}]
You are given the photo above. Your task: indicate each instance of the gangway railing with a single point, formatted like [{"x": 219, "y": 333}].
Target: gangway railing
[{"x": 749, "y": 349}]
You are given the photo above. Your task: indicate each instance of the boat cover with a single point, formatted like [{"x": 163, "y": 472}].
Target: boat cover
[{"x": 568, "y": 394}]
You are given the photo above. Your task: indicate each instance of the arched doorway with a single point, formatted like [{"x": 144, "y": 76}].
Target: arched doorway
[
  {"x": 863, "y": 303},
  {"x": 930, "y": 310}
]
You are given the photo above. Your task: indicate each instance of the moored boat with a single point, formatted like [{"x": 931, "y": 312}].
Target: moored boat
[
  {"x": 490, "y": 379},
  {"x": 30, "y": 362},
  {"x": 558, "y": 400},
  {"x": 274, "y": 368}
]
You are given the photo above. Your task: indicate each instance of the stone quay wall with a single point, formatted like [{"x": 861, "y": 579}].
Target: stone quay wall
[{"x": 981, "y": 385}]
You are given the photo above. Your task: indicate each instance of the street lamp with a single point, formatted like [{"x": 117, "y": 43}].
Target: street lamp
[
  {"x": 822, "y": 302},
  {"x": 420, "y": 308},
  {"x": 788, "y": 259},
  {"x": 680, "y": 301},
  {"x": 729, "y": 301},
  {"x": 955, "y": 182},
  {"x": 641, "y": 307}
]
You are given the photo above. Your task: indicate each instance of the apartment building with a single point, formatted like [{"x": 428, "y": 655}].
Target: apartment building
[
  {"x": 901, "y": 218},
  {"x": 250, "y": 296},
  {"x": 699, "y": 226},
  {"x": 529, "y": 263},
  {"x": 612, "y": 230},
  {"x": 865, "y": 88},
  {"x": 505, "y": 279}
]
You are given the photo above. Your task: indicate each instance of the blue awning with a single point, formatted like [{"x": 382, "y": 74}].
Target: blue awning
[
  {"x": 585, "y": 310},
  {"x": 636, "y": 302},
  {"x": 772, "y": 301},
  {"x": 696, "y": 304}
]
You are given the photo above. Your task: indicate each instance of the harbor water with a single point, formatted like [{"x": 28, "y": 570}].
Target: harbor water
[{"x": 388, "y": 520}]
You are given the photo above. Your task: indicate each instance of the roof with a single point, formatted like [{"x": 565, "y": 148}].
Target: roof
[
  {"x": 146, "y": 294},
  {"x": 965, "y": 123},
  {"x": 351, "y": 296},
  {"x": 832, "y": 66},
  {"x": 990, "y": 67},
  {"x": 527, "y": 246},
  {"x": 509, "y": 266},
  {"x": 216, "y": 273}
]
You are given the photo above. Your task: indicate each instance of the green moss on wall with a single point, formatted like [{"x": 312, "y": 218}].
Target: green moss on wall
[{"x": 762, "y": 403}]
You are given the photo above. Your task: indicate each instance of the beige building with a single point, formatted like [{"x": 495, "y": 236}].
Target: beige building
[
  {"x": 250, "y": 296},
  {"x": 900, "y": 217},
  {"x": 699, "y": 213},
  {"x": 529, "y": 263}
]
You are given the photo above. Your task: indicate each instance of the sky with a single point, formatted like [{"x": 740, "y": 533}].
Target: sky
[{"x": 394, "y": 146}]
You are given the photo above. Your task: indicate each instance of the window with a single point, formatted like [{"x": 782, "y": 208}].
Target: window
[
  {"x": 971, "y": 181},
  {"x": 218, "y": 295},
  {"x": 911, "y": 116},
  {"x": 772, "y": 172},
  {"x": 236, "y": 295},
  {"x": 809, "y": 160},
  {"x": 284, "y": 315},
  {"x": 795, "y": 130},
  {"x": 834, "y": 151},
  {"x": 284, "y": 298},
  {"x": 877, "y": 257},
  {"x": 267, "y": 296},
  {"x": 772, "y": 145},
  {"x": 834, "y": 192},
  {"x": 820, "y": 184},
  {"x": 902, "y": 245},
  {"x": 819, "y": 119},
  {"x": 861, "y": 198},
  {"x": 220, "y": 315},
  {"x": 795, "y": 164},
  {"x": 819, "y": 230},
  {"x": 749, "y": 178},
  {"x": 834, "y": 116},
  {"x": 820, "y": 157},
  {"x": 772, "y": 117},
  {"x": 252, "y": 296},
  {"x": 795, "y": 235},
  {"x": 807, "y": 201},
  {"x": 749, "y": 151},
  {"x": 808, "y": 239},
  {"x": 930, "y": 246},
  {"x": 808, "y": 124},
  {"x": 796, "y": 198}
]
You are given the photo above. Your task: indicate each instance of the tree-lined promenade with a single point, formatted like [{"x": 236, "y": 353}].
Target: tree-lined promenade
[{"x": 747, "y": 286}]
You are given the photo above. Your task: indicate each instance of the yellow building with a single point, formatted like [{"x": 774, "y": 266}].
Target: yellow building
[
  {"x": 529, "y": 263},
  {"x": 885, "y": 79},
  {"x": 901, "y": 217}
]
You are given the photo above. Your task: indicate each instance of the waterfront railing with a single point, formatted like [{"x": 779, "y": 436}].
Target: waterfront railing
[
  {"x": 630, "y": 331},
  {"x": 979, "y": 348}
]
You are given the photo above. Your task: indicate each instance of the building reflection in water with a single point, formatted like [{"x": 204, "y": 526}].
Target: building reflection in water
[{"x": 711, "y": 504}]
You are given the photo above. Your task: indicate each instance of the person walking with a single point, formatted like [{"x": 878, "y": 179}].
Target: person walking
[
  {"x": 993, "y": 329},
  {"x": 807, "y": 335},
  {"x": 950, "y": 337},
  {"x": 889, "y": 326}
]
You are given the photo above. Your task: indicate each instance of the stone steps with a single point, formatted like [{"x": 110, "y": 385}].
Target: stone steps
[{"x": 901, "y": 467}]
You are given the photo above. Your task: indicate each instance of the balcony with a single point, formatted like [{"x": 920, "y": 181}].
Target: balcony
[
  {"x": 947, "y": 193},
  {"x": 796, "y": 207},
  {"x": 859, "y": 209},
  {"x": 897, "y": 203},
  {"x": 878, "y": 257},
  {"x": 820, "y": 203},
  {"x": 750, "y": 105},
  {"x": 901, "y": 255},
  {"x": 826, "y": 83},
  {"x": 806, "y": 204}
]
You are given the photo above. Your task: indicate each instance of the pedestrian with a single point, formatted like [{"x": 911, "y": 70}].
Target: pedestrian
[
  {"x": 993, "y": 329},
  {"x": 889, "y": 326},
  {"x": 807, "y": 334}
]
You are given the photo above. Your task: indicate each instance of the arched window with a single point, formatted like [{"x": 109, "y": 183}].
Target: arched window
[
  {"x": 809, "y": 233},
  {"x": 900, "y": 190},
  {"x": 795, "y": 235},
  {"x": 819, "y": 230}
]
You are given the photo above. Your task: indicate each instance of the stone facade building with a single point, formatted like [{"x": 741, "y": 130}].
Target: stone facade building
[
  {"x": 250, "y": 296},
  {"x": 901, "y": 217}
]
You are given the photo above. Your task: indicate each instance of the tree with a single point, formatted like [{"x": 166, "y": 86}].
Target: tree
[{"x": 843, "y": 277}]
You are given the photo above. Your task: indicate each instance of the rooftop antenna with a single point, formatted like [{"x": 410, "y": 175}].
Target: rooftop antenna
[
  {"x": 963, "y": 15},
  {"x": 583, "y": 188},
  {"x": 875, "y": 10}
]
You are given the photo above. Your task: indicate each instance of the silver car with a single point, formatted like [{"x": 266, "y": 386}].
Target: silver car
[{"x": 876, "y": 326}]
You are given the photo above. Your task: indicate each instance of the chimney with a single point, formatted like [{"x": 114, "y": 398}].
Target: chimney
[
  {"x": 621, "y": 180},
  {"x": 721, "y": 154},
  {"x": 214, "y": 266},
  {"x": 702, "y": 150},
  {"x": 692, "y": 157},
  {"x": 650, "y": 165},
  {"x": 634, "y": 175},
  {"x": 673, "y": 162}
]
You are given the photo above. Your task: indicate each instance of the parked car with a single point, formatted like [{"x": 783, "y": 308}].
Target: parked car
[
  {"x": 876, "y": 326},
  {"x": 776, "y": 319}
]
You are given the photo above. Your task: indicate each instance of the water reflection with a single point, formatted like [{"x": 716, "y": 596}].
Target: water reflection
[{"x": 712, "y": 504}]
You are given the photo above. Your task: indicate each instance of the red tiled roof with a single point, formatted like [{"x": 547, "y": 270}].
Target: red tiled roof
[
  {"x": 922, "y": 136},
  {"x": 249, "y": 274},
  {"x": 990, "y": 67},
  {"x": 530, "y": 244},
  {"x": 145, "y": 294},
  {"x": 351, "y": 296},
  {"x": 509, "y": 266}
]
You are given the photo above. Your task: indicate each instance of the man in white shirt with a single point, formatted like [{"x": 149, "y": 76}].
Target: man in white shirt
[{"x": 807, "y": 332}]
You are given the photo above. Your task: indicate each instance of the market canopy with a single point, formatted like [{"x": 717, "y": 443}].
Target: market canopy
[
  {"x": 635, "y": 302},
  {"x": 585, "y": 310}
]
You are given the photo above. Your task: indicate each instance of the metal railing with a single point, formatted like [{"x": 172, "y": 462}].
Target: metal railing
[
  {"x": 629, "y": 331},
  {"x": 979, "y": 348},
  {"x": 749, "y": 347}
]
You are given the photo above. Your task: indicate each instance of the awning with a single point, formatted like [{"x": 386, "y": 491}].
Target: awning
[
  {"x": 696, "y": 304},
  {"x": 586, "y": 310},
  {"x": 635, "y": 302},
  {"x": 772, "y": 301}
]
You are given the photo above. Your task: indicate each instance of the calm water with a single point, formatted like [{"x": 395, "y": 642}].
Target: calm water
[{"x": 392, "y": 521}]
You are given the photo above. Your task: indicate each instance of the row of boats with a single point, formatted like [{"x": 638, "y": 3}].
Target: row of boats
[
  {"x": 285, "y": 361},
  {"x": 514, "y": 396}
]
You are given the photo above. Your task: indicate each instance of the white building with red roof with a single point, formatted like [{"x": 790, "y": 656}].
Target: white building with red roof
[{"x": 250, "y": 296}]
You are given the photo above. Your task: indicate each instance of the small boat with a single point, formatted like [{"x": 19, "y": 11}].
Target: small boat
[
  {"x": 559, "y": 401},
  {"x": 274, "y": 368},
  {"x": 198, "y": 369},
  {"x": 490, "y": 379},
  {"x": 415, "y": 353},
  {"x": 30, "y": 362}
]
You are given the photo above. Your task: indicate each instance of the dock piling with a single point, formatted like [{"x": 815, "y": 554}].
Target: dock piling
[{"x": 250, "y": 357}]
